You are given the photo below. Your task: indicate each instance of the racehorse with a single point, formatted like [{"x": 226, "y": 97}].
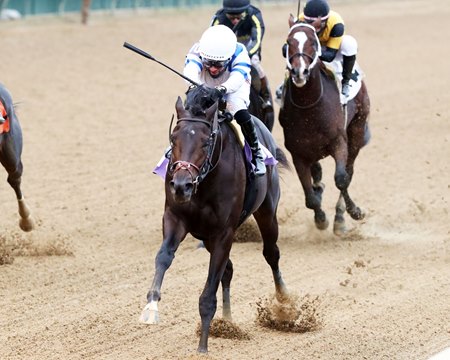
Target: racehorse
[
  {"x": 10, "y": 155},
  {"x": 205, "y": 189},
  {"x": 316, "y": 125},
  {"x": 256, "y": 108}
]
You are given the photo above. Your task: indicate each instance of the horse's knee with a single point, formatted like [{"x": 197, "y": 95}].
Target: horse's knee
[{"x": 342, "y": 180}]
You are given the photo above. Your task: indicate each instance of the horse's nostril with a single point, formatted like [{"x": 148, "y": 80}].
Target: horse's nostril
[
  {"x": 172, "y": 184},
  {"x": 189, "y": 186}
]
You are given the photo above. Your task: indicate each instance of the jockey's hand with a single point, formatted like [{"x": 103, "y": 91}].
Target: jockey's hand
[
  {"x": 191, "y": 87},
  {"x": 220, "y": 91}
]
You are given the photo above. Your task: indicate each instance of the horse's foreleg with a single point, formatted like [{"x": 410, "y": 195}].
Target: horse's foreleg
[
  {"x": 226, "y": 298},
  {"x": 26, "y": 221},
  {"x": 220, "y": 252},
  {"x": 344, "y": 158},
  {"x": 313, "y": 199},
  {"x": 174, "y": 233}
]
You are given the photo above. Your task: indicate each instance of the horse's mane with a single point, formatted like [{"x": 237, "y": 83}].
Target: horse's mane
[{"x": 200, "y": 98}]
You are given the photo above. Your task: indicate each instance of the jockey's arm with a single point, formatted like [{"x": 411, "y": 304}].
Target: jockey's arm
[
  {"x": 328, "y": 54},
  {"x": 240, "y": 70},
  {"x": 256, "y": 35},
  {"x": 332, "y": 43}
]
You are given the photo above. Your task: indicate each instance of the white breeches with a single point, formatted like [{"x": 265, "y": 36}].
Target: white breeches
[
  {"x": 256, "y": 62},
  {"x": 239, "y": 100}
]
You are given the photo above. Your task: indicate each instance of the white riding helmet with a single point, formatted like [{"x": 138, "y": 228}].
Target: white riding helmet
[{"x": 217, "y": 43}]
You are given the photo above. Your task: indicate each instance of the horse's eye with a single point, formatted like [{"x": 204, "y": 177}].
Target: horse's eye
[{"x": 206, "y": 143}]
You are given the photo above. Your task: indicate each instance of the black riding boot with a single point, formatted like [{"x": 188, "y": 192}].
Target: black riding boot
[
  {"x": 265, "y": 94},
  {"x": 244, "y": 119},
  {"x": 347, "y": 67}
]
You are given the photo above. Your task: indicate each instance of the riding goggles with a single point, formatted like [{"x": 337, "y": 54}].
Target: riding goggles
[
  {"x": 214, "y": 63},
  {"x": 232, "y": 17}
]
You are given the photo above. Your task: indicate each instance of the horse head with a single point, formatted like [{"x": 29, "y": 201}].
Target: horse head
[
  {"x": 193, "y": 141},
  {"x": 302, "y": 51}
]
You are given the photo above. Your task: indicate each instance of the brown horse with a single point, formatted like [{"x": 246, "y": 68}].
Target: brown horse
[
  {"x": 10, "y": 155},
  {"x": 315, "y": 125},
  {"x": 205, "y": 189}
]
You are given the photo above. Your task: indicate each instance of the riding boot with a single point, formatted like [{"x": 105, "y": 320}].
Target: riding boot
[
  {"x": 347, "y": 67},
  {"x": 248, "y": 129},
  {"x": 265, "y": 94}
]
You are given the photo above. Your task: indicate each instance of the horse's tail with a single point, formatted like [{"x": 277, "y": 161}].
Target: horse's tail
[{"x": 282, "y": 159}]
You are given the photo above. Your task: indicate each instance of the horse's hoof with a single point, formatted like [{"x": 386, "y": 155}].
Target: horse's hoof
[
  {"x": 26, "y": 224},
  {"x": 339, "y": 228},
  {"x": 358, "y": 214},
  {"x": 150, "y": 315},
  {"x": 322, "y": 225}
]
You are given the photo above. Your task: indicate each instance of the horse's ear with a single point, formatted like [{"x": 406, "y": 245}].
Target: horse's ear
[
  {"x": 212, "y": 110},
  {"x": 292, "y": 20},
  {"x": 179, "y": 106}
]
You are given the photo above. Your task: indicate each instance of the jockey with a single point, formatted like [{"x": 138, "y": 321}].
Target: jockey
[
  {"x": 247, "y": 23},
  {"x": 335, "y": 44},
  {"x": 219, "y": 61}
]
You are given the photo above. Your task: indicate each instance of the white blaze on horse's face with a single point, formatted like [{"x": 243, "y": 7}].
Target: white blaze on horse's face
[
  {"x": 297, "y": 62},
  {"x": 302, "y": 77}
]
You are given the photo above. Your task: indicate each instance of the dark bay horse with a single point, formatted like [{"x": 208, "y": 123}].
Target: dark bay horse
[
  {"x": 10, "y": 155},
  {"x": 205, "y": 187},
  {"x": 256, "y": 108},
  {"x": 315, "y": 125}
]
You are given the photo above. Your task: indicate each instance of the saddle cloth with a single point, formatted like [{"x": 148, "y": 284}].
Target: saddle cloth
[{"x": 5, "y": 126}]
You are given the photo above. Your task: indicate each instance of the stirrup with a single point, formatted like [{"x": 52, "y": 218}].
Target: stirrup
[
  {"x": 2, "y": 120},
  {"x": 260, "y": 166},
  {"x": 345, "y": 89}
]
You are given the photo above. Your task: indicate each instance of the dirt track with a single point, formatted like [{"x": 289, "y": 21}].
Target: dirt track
[{"x": 95, "y": 118}]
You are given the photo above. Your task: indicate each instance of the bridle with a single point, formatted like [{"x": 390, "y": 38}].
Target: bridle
[
  {"x": 313, "y": 61},
  {"x": 207, "y": 166}
]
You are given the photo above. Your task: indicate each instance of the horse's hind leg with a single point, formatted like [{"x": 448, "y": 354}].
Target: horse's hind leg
[
  {"x": 219, "y": 261},
  {"x": 226, "y": 299},
  {"x": 268, "y": 226},
  {"x": 313, "y": 193},
  {"x": 357, "y": 133},
  {"x": 339, "y": 221}
]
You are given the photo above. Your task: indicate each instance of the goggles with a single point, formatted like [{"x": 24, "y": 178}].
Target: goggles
[
  {"x": 214, "y": 63},
  {"x": 232, "y": 17}
]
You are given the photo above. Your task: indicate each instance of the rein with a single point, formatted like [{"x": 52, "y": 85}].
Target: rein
[
  {"x": 304, "y": 107},
  {"x": 207, "y": 165}
]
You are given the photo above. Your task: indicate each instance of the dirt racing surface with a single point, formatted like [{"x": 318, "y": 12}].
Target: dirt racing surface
[{"x": 95, "y": 118}]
